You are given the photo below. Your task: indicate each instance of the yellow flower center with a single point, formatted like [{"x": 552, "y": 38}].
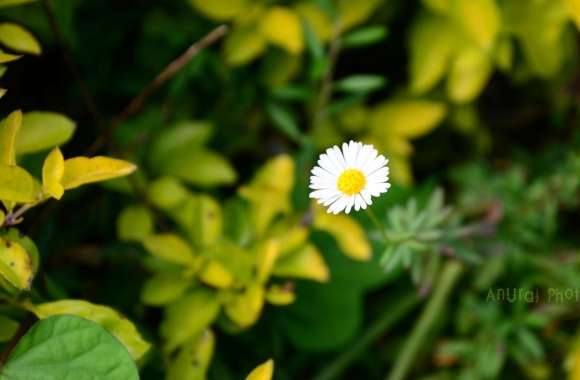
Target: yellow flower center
[{"x": 351, "y": 181}]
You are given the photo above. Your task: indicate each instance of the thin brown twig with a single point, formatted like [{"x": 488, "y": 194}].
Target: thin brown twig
[{"x": 163, "y": 77}]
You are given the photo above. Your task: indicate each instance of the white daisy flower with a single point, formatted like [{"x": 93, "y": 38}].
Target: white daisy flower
[{"x": 349, "y": 178}]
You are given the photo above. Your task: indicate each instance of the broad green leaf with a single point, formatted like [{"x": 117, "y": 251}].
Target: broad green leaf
[
  {"x": 82, "y": 170},
  {"x": 17, "y": 38},
  {"x": 15, "y": 264},
  {"x": 316, "y": 18},
  {"x": 200, "y": 167},
  {"x": 360, "y": 84},
  {"x": 135, "y": 223},
  {"x": 219, "y": 10},
  {"x": 169, "y": 247},
  {"x": 244, "y": 308},
  {"x": 264, "y": 371},
  {"x": 8, "y": 328},
  {"x": 43, "y": 130},
  {"x": 163, "y": 288},
  {"x": 469, "y": 74},
  {"x": 349, "y": 235},
  {"x": 243, "y": 45},
  {"x": 193, "y": 359},
  {"x": 108, "y": 318},
  {"x": 431, "y": 44},
  {"x": 305, "y": 263},
  {"x": 52, "y": 172},
  {"x": 281, "y": 26},
  {"x": 184, "y": 135},
  {"x": 188, "y": 317},
  {"x": 9, "y": 128},
  {"x": 5, "y": 58},
  {"x": 480, "y": 19},
  {"x": 68, "y": 347},
  {"x": 407, "y": 118},
  {"x": 17, "y": 185},
  {"x": 368, "y": 35}
]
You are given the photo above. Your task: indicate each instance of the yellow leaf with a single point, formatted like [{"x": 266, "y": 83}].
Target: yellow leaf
[
  {"x": 480, "y": 19},
  {"x": 431, "y": 43},
  {"x": 243, "y": 45},
  {"x": 349, "y": 235},
  {"x": 193, "y": 359},
  {"x": 316, "y": 18},
  {"x": 219, "y": 10},
  {"x": 164, "y": 288},
  {"x": 280, "y": 295},
  {"x": 214, "y": 274},
  {"x": 244, "y": 308},
  {"x": 408, "y": 118},
  {"x": 5, "y": 57},
  {"x": 469, "y": 74},
  {"x": 17, "y": 185},
  {"x": 17, "y": 38},
  {"x": 43, "y": 130},
  {"x": 82, "y": 170},
  {"x": 266, "y": 257},
  {"x": 355, "y": 12},
  {"x": 169, "y": 247},
  {"x": 305, "y": 263},
  {"x": 188, "y": 317},
  {"x": 8, "y": 131},
  {"x": 108, "y": 318},
  {"x": 52, "y": 172},
  {"x": 135, "y": 223},
  {"x": 289, "y": 234},
  {"x": 573, "y": 7},
  {"x": 15, "y": 265},
  {"x": 281, "y": 26},
  {"x": 264, "y": 371}
]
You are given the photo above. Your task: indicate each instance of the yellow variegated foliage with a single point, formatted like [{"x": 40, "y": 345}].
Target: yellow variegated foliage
[
  {"x": 15, "y": 265},
  {"x": 214, "y": 274},
  {"x": 193, "y": 359},
  {"x": 17, "y": 38},
  {"x": 307, "y": 262},
  {"x": 440, "y": 6},
  {"x": 469, "y": 73},
  {"x": 573, "y": 7},
  {"x": 480, "y": 19},
  {"x": 264, "y": 371},
  {"x": 52, "y": 172},
  {"x": 79, "y": 171},
  {"x": 17, "y": 185},
  {"x": 406, "y": 118},
  {"x": 9, "y": 128},
  {"x": 349, "y": 235},
  {"x": 280, "y": 295},
  {"x": 281, "y": 27},
  {"x": 171, "y": 248},
  {"x": 163, "y": 288},
  {"x": 188, "y": 317},
  {"x": 105, "y": 316},
  {"x": 244, "y": 307},
  {"x": 266, "y": 255}
]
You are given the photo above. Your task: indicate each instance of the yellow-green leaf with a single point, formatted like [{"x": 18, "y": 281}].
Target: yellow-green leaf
[
  {"x": 193, "y": 359},
  {"x": 243, "y": 45},
  {"x": 264, "y": 371},
  {"x": 408, "y": 118},
  {"x": 82, "y": 170},
  {"x": 573, "y": 7},
  {"x": 167, "y": 192},
  {"x": 5, "y": 57},
  {"x": 316, "y": 18},
  {"x": 135, "y": 223},
  {"x": 281, "y": 26},
  {"x": 17, "y": 185},
  {"x": 280, "y": 295},
  {"x": 43, "y": 130},
  {"x": 355, "y": 12},
  {"x": 480, "y": 19},
  {"x": 189, "y": 316},
  {"x": 9, "y": 128},
  {"x": 15, "y": 265},
  {"x": 440, "y": 6},
  {"x": 469, "y": 74},
  {"x": 8, "y": 327},
  {"x": 349, "y": 235},
  {"x": 306, "y": 263},
  {"x": 110, "y": 319},
  {"x": 200, "y": 167},
  {"x": 169, "y": 247},
  {"x": 266, "y": 256},
  {"x": 17, "y": 38},
  {"x": 219, "y": 10},
  {"x": 214, "y": 274},
  {"x": 9, "y": 3},
  {"x": 207, "y": 221},
  {"x": 244, "y": 308},
  {"x": 164, "y": 288},
  {"x": 52, "y": 172}
]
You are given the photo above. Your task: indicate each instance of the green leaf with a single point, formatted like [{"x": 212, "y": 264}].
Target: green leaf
[
  {"x": 163, "y": 288},
  {"x": 5, "y": 58},
  {"x": 135, "y": 223},
  {"x": 184, "y": 135},
  {"x": 68, "y": 347},
  {"x": 15, "y": 265},
  {"x": 79, "y": 171},
  {"x": 193, "y": 359},
  {"x": 366, "y": 36},
  {"x": 200, "y": 167},
  {"x": 169, "y": 247},
  {"x": 242, "y": 46},
  {"x": 17, "y": 185},
  {"x": 8, "y": 328},
  {"x": 108, "y": 318},
  {"x": 284, "y": 121},
  {"x": 360, "y": 84},
  {"x": 17, "y": 38},
  {"x": 306, "y": 262},
  {"x": 43, "y": 130},
  {"x": 8, "y": 131}
]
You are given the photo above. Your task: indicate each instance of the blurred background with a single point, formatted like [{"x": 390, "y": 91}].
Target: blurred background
[{"x": 225, "y": 105}]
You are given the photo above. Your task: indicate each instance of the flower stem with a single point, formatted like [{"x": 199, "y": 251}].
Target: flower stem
[
  {"x": 434, "y": 308},
  {"x": 378, "y": 225}
]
